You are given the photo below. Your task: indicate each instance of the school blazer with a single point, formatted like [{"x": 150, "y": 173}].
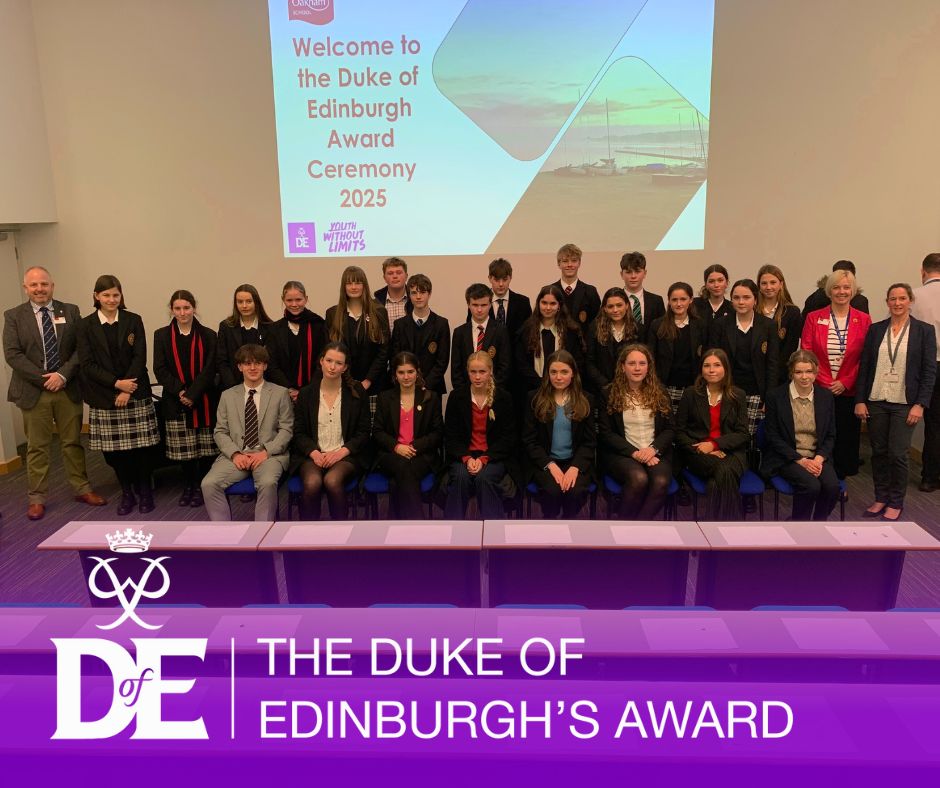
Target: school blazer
[
  {"x": 355, "y": 420},
  {"x": 780, "y": 434},
  {"x": 228, "y": 343},
  {"x": 764, "y": 344},
  {"x": 693, "y": 421},
  {"x": 430, "y": 343},
  {"x": 703, "y": 309},
  {"x": 537, "y": 440},
  {"x": 495, "y": 342},
  {"x": 524, "y": 359},
  {"x": 100, "y": 372},
  {"x": 789, "y": 332},
  {"x": 583, "y": 304},
  {"x": 164, "y": 370},
  {"x": 429, "y": 425},
  {"x": 663, "y": 350},
  {"x": 24, "y": 352},
  {"x": 611, "y": 439},
  {"x": 368, "y": 360},
  {"x": 277, "y": 343},
  {"x": 600, "y": 363},
  {"x": 653, "y": 308},
  {"x": 500, "y": 429},
  {"x": 920, "y": 371},
  {"x": 815, "y": 337},
  {"x": 275, "y": 422}
]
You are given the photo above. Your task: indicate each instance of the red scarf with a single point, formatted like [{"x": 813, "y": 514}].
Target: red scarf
[{"x": 201, "y": 414}]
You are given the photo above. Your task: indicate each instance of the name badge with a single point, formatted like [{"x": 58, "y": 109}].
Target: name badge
[
  {"x": 891, "y": 377},
  {"x": 59, "y": 320},
  {"x": 823, "y": 321}
]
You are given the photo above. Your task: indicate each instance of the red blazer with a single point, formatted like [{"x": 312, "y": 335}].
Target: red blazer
[{"x": 816, "y": 337}]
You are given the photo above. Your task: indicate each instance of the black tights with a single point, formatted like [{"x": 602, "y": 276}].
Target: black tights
[
  {"x": 644, "y": 487},
  {"x": 333, "y": 480},
  {"x": 194, "y": 470},
  {"x": 133, "y": 468}
]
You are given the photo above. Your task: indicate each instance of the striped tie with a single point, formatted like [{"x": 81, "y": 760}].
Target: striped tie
[
  {"x": 479, "y": 338},
  {"x": 50, "y": 344},
  {"x": 637, "y": 314},
  {"x": 501, "y": 312},
  {"x": 251, "y": 421}
]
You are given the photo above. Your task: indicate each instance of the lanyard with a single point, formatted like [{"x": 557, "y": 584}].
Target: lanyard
[
  {"x": 897, "y": 347},
  {"x": 843, "y": 335}
]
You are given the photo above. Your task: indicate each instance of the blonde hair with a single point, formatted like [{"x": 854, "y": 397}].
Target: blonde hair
[
  {"x": 837, "y": 276},
  {"x": 482, "y": 355}
]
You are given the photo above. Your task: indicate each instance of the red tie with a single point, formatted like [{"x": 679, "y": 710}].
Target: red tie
[
  {"x": 568, "y": 290},
  {"x": 479, "y": 338}
]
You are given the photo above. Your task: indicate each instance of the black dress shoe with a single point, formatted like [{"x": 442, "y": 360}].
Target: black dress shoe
[
  {"x": 928, "y": 487},
  {"x": 186, "y": 497},
  {"x": 146, "y": 503},
  {"x": 126, "y": 506},
  {"x": 196, "y": 501}
]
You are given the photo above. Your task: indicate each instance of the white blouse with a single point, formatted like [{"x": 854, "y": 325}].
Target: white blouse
[{"x": 329, "y": 425}]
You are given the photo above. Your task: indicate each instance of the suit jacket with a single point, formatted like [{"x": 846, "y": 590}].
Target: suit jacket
[
  {"x": 663, "y": 351},
  {"x": 495, "y": 342},
  {"x": 164, "y": 370},
  {"x": 819, "y": 300},
  {"x": 277, "y": 341},
  {"x": 537, "y": 439},
  {"x": 764, "y": 345},
  {"x": 430, "y": 343},
  {"x": 704, "y": 311},
  {"x": 229, "y": 341},
  {"x": 653, "y": 308},
  {"x": 780, "y": 435},
  {"x": 791, "y": 327},
  {"x": 517, "y": 312},
  {"x": 428, "y": 424},
  {"x": 355, "y": 420},
  {"x": 275, "y": 422},
  {"x": 523, "y": 372},
  {"x": 100, "y": 372},
  {"x": 23, "y": 350},
  {"x": 368, "y": 360},
  {"x": 612, "y": 440},
  {"x": 693, "y": 421},
  {"x": 815, "y": 337},
  {"x": 921, "y": 370},
  {"x": 583, "y": 304},
  {"x": 500, "y": 429}
]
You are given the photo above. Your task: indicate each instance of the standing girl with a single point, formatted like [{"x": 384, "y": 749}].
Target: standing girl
[
  {"x": 548, "y": 329},
  {"x": 711, "y": 303},
  {"x": 295, "y": 341},
  {"x": 774, "y": 302},
  {"x": 675, "y": 342},
  {"x": 247, "y": 325},
  {"x": 612, "y": 330}
]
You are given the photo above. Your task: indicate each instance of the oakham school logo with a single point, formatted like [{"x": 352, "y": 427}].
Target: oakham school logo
[
  {"x": 314, "y": 12},
  {"x": 763, "y": 347},
  {"x": 492, "y": 351},
  {"x": 432, "y": 347}
]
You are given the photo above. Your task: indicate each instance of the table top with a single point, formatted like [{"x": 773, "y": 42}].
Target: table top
[
  {"x": 576, "y": 534},
  {"x": 375, "y": 535},
  {"x": 846, "y": 536},
  {"x": 165, "y": 535}
]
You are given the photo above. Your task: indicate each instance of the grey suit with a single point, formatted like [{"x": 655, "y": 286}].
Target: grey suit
[
  {"x": 23, "y": 350},
  {"x": 275, "y": 429}
]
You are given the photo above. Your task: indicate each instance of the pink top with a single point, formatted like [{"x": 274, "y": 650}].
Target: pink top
[{"x": 406, "y": 427}]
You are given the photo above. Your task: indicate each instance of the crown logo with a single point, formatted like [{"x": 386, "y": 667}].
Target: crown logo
[{"x": 129, "y": 541}]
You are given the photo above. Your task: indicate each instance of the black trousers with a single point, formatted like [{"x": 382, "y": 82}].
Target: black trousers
[
  {"x": 644, "y": 487},
  {"x": 553, "y": 501},
  {"x": 890, "y": 438},
  {"x": 931, "y": 454},
  {"x": 333, "y": 480},
  {"x": 723, "y": 477},
  {"x": 404, "y": 478},
  {"x": 848, "y": 437},
  {"x": 814, "y": 497}
]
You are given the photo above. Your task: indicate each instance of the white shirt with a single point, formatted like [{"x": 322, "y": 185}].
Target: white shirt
[
  {"x": 476, "y": 330},
  {"x": 926, "y": 305},
  {"x": 329, "y": 425},
  {"x": 538, "y": 362},
  {"x": 639, "y": 427},
  {"x": 682, "y": 323},
  {"x": 257, "y": 395},
  {"x": 638, "y": 295},
  {"x": 564, "y": 285},
  {"x": 249, "y": 326},
  {"x": 104, "y": 321},
  {"x": 737, "y": 322},
  {"x": 894, "y": 391},
  {"x": 794, "y": 394}
]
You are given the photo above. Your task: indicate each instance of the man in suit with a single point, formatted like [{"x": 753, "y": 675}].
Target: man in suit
[
  {"x": 40, "y": 344},
  {"x": 926, "y": 307},
  {"x": 480, "y": 333},
  {"x": 645, "y": 306},
  {"x": 582, "y": 299},
  {"x": 254, "y": 426},
  {"x": 394, "y": 296}
]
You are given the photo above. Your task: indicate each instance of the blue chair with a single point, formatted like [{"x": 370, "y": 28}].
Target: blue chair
[
  {"x": 376, "y": 484},
  {"x": 295, "y": 489},
  {"x": 783, "y": 487},
  {"x": 613, "y": 489},
  {"x": 532, "y": 489},
  {"x": 751, "y": 485},
  {"x": 246, "y": 487}
]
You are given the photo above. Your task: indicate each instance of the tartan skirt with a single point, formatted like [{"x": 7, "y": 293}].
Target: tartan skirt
[
  {"x": 120, "y": 429},
  {"x": 188, "y": 443},
  {"x": 755, "y": 413},
  {"x": 675, "y": 394}
]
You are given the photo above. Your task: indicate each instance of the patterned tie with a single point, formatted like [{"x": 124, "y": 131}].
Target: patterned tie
[
  {"x": 251, "y": 420},
  {"x": 637, "y": 314},
  {"x": 480, "y": 332},
  {"x": 50, "y": 344},
  {"x": 419, "y": 322},
  {"x": 501, "y": 312},
  {"x": 568, "y": 290}
]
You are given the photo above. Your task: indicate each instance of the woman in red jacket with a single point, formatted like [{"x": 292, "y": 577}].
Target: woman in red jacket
[{"x": 836, "y": 334}]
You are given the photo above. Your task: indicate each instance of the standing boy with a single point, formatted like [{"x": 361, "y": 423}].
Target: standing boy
[
  {"x": 480, "y": 333},
  {"x": 582, "y": 299},
  {"x": 646, "y": 306},
  {"x": 394, "y": 296},
  {"x": 424, "y": 333}
]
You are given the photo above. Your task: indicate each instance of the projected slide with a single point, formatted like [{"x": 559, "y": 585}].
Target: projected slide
[{"x": 486, "y": 126}]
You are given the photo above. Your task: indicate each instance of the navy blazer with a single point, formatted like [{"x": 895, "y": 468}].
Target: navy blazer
[
  {"x": 500, "y": 429},
  {"x": 355, "y": 418},
  {"x": 921, "y": 371},
  {"x": 693, "y": 421},
  {"x": 537, "y": 439},
  {"x": 583, "y": 303},
  {"x": 428, "y": 423},
  {"x": 663, "y": 351},
  {"x": 779, "y": 447},
  {"x": 495, "y": 342},
  {"x": 100, "y": 371},
  {"x": 612, "y": 440}
]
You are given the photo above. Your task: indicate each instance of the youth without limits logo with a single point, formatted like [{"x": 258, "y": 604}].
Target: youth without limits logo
[{"x": 314, "y": 12}]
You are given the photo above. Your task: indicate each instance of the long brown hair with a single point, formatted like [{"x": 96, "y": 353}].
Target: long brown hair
[
  {"x": 406, "y": 357},
  {"x": 543, "y": 404},
  {"x": 532, "y": 328},
  {"x": 784, "y": 298},
  {"x": 603, "y": 326},
  {"x": 727, "y": 384},
  {"x": 234, "y": 318},
  {"x": 369, "y": 321},
  {"x": 667, "y": 326},
  {"x": 651, "y": 395}
]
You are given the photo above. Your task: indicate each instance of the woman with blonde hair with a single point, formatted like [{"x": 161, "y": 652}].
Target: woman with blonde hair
[
  {"x": 479, "y": 440},
  {"x": 636, "y": 433}
]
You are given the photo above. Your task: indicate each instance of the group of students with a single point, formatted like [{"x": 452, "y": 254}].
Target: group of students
[{"x": 586, "y": 385}]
